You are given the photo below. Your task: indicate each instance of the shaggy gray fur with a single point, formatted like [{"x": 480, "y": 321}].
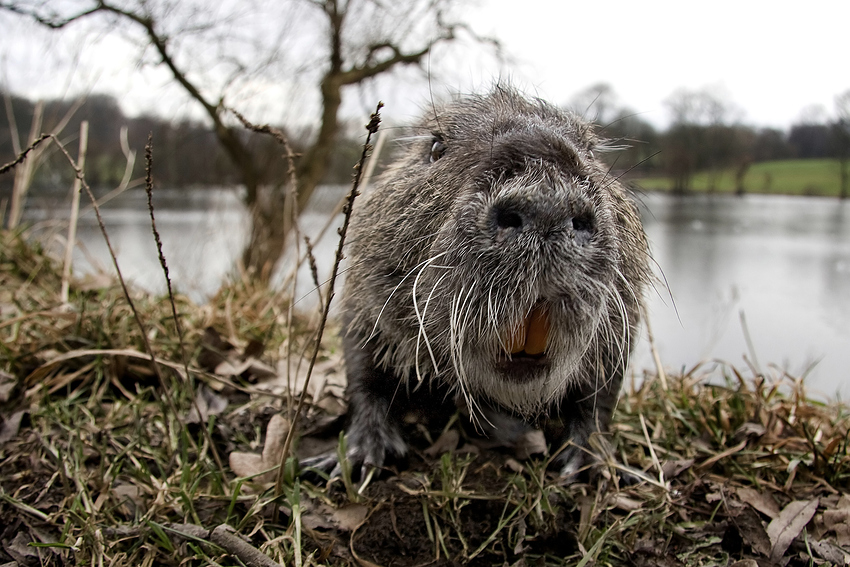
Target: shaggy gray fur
[{"x": 496, "y": 207}]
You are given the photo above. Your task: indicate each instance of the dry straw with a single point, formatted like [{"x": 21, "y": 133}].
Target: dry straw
[{"x": 99, "y": 465}]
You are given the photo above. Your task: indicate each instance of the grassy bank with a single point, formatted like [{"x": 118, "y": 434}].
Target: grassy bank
[
  {"x": 109, "y": 459},
  {"x": 819, "y": 177}
]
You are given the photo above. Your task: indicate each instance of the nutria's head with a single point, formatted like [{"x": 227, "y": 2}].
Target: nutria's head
[{"x": 498, "y": 255}]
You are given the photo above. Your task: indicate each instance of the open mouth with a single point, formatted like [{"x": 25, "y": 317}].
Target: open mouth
[{"x": 530, "y": 337}]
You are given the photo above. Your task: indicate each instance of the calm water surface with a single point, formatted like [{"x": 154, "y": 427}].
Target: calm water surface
[{"x": 779, "y": 264}]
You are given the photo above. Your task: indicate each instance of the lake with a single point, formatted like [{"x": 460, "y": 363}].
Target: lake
[{"x": 775, "y": 266}]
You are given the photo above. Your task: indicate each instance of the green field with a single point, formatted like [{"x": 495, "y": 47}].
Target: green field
[{"x": 789, "y": 177}]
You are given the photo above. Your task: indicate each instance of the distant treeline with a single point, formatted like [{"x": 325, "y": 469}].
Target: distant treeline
[
  {"x": 689, "y": 146},
  {"x": 188, "y": 152},
  {"x": 185, "y": 152}
]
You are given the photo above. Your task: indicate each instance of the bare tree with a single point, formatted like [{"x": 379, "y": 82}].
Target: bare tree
[
  {"x": 358, "y": 40},
  {"x": 597, "y": 102},
  {"x": 703, "y": 136}
]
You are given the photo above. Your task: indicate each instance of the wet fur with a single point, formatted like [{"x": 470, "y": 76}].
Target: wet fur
[{"x": 439, "y": 271}]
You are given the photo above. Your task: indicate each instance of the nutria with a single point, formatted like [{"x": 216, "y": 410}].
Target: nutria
[{"x": 497, "y": 263}]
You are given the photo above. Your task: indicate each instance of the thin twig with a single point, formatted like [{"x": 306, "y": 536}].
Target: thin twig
[
  {"x": 314, "y": 270},
  {"x": 148, "y": 348},
  {"x": 75, "y": 214},
  {"x": 23, "y": 155},
  {"x": 372, "y": 127},
  {"x": 367, "y": 177},
  {"x": 178, "y": 327},
  {"x": 659, "y": 368},
  {"x": 291, "y": 205}
]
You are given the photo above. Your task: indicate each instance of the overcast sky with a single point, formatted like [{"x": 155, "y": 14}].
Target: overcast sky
[{"x": 773, "y": 60}]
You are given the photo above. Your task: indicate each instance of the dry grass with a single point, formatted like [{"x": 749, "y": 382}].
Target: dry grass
[
  {"x": 96, "y": 467},
  {"x": 117, "y": 424}
]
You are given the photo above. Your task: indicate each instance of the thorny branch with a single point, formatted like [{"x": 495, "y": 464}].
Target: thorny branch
[{"x": 23, "y": 155}]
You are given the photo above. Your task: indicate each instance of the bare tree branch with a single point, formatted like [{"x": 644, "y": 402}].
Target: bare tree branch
[{"x": 397, "y": 36}]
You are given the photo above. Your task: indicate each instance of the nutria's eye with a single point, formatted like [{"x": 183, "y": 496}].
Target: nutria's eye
[{"x": 437, "y": 150}]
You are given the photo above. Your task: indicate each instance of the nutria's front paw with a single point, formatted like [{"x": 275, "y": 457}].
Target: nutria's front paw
[
  {"x": 576, "y": 463},
  {"x": 370, "y": 447},
  {"x": 366, "y": 449}
]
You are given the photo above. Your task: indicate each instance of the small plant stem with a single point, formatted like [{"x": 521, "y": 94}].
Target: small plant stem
[
  {"x": 169, "y": 398},
  {"x": 164, "y": 265},
  {"x": 75, "y": 213},
  {"x": 372, "y": 128}
]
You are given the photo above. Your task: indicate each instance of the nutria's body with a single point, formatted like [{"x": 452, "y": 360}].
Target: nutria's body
[{"x": 499, "y": 261}]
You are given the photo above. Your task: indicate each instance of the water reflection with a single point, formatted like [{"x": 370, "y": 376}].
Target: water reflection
[
  {"x": 779, "y": 264},
  {"x": 782, "y": 262}
]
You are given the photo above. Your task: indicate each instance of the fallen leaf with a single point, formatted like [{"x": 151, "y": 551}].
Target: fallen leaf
[
  {"x": 316, "y": 516},
  {"x": 214, "y": 349},
  {"x": 249, "y": 465},
  {"x": 208, "y": 403},
  {"x": 749, "y": 432},
  {"x": 787, "y": 526},
  {"x": 713, "y": 497},
  {"x": 672, "y": 469},
  {"x": 627, "y": 504},
  {"x": 751, "y": 530},
  {"x": 7, "y": 384},
  {"x": 276, "y": 433},
  {"x": 837, "y": 520},
  {"x": 10, "y": 426},
  {"x": 259, "y": 466},
  {"x": 130, "y": 497},
  {"x": 349, "y": 517},
  {"x": 761, "y": 501},
  {"x": 21, "y": 551},
  {"x": 829, "y": 552}
]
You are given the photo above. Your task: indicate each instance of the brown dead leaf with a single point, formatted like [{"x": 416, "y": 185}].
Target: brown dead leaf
[
  {"x": 625, "y": 503},
  {"x": 837, "y": 520},
  {"x": 712, "y": 497},
  {"x": 749, "y": 432},
  {"x": 10, "y": 426},
  {"x": 20, "y": 550},
  {"x": 249, "y": 465},
  {"x": 349, "y": 517},
  {"x": 7, "y": 384},
  {"x": 751, "y": 530},
  {"x": 316, "y": 515},
  {"x": 249, "y": 369},
  {"x": 208, "y": 403},
  {"x": 672, "y": 469},
  {"x": 829, "y": 552},
  {"x": 214, "y": 350},
  {"x": 446, "y": 443},
  {"x": 761, "y": 501},
  {"x": 130, "y": 498},
  {"x": 787, "y": 526},
  {"x": 259, "y": 466}
]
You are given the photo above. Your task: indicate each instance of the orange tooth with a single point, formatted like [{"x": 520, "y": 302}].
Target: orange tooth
[{"x": 537, "y": 331}]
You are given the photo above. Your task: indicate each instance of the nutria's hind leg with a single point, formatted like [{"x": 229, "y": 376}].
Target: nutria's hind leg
[{"x": 376, "y": 403}]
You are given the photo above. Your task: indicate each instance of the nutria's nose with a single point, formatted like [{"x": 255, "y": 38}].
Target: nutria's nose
[{"x": 547, "y": 218}]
